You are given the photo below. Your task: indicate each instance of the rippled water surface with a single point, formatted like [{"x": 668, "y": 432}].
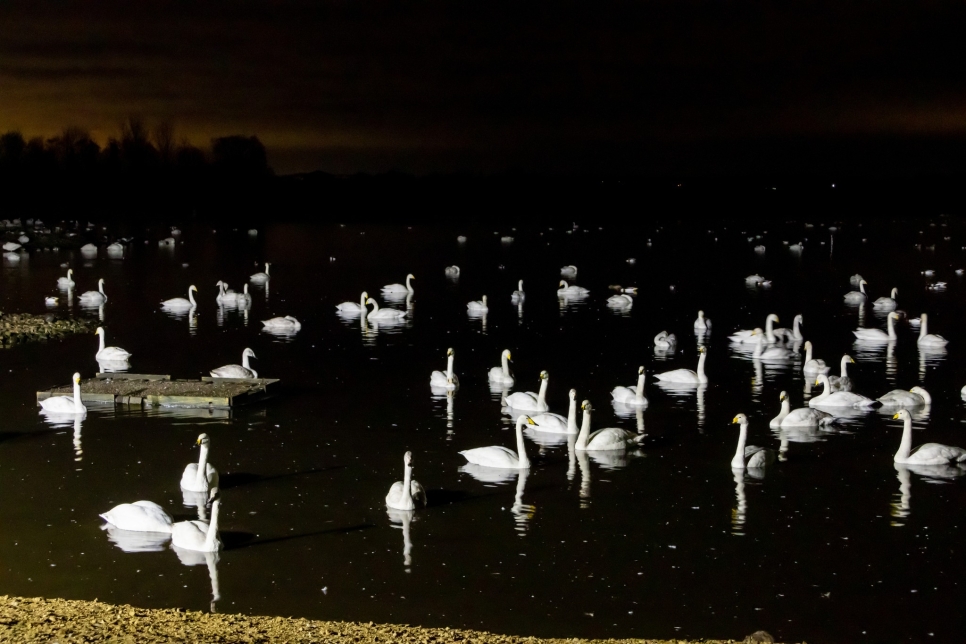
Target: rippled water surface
[{"x": 832, "y": 543}]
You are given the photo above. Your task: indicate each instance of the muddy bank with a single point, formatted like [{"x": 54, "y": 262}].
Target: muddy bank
[
  {"x": 17, "y": 328},
  {"x": 57, "y": 620}
]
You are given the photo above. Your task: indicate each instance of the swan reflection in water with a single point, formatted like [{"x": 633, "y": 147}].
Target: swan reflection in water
[
  {"x": 681, "y": 392},
  {"x": 739, "y": 514},
  {"x": 133, "y": 541},
  {"x": 606, "y": 459},
  {"x": 449, "y": 395},
  {"x": 901, "y": 507},
  {"x": 402, "y": 519},
  {"x": 930, "y": 357},
  {"x": 522, "y": 512},
  {"x": 68, "y": 420},
  {"x": 113, "y": 366},
  {"x": 478, "y": 315},
  {"x": 197, "y": 558}
]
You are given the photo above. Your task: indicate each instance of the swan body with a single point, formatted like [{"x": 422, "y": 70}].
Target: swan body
[
  {"x": 801, "y": 417},
  {"x": 927, "y": 453},
  {"x": 665, "y": 340},
  {"x": 109, "y": 353},
  {"x": 529, "y": 401},
  {"x": 243, "y": 299},
  {"x": 407, "y": 493},
  {"x": 518, "y": 295},
  {"x": 620, "y": 301},
  {"x": 243, "y": 370},
  {"x": 566, "y": 290},
  {"x": 842, "y": 382},
  {"x": 687, "y": 376},
  {"x": 840, "y": 398},
  {"x": 702, "y": 323},
  {"x": 886, "y": 303},
  {"x": 749, "y": 335},
  {"x": 180, "y": 302},
  {"x": 66, "y": 281},
  {"x": 927, "y": 339},
  {"x": 608, "y": 439},
  {"x": 452, "y": 271},
  {"x": 225, "y": 296},
  {"x": 51, "y": 301},
  {"x": 287, "y": 322},
  {"x": 771, "y": 354},
  {"x": 352, "y": 307},
  {"x": 754, "y": 279},
  {"x": 200, "y": 476},
  {"x": 478, "y": 305},
  {"x": 66, "y": 404},
  {"x": 878, "y": 335},
  {"x": 570, "y": 272},
  {"x": 859, "y": 296},
  {"x": 198, "y": 535},
  {"x": 502, "y": 457},
  {"x": 631, "y": 396},
  {"x": 501, "y": 374},
  {"x": 445, "y": 379},
  {"x": 915, "y": 397},
  {"x": 400, "y": 288},
  {"x": 813, "y": 365},
  {"x": 383, "y": 314},
  {"x": 261, "y": 278},
  {"x": 557, "y": 424},
  {"x": 94, "y": 297},
  {"x": 749, "y": 456},
  {"x": 140, "y": 516}
]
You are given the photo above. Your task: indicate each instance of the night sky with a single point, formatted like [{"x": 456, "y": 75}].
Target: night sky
[{"x": 487, "y": 87}]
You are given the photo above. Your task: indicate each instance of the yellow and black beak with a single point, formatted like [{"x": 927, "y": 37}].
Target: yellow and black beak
[{"x": 896, "y": 416}]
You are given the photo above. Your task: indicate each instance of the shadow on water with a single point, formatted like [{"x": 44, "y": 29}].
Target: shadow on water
[
  {"x": 237, "y": 540},
  {"x": 238, "y": 479}
]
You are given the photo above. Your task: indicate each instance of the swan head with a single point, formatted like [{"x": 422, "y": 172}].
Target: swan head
[
  {"x": 851, "y": 359},
  {"x": 922, "y": 392},
  {"x": 369, "y": 300},
  {"x": 740, "y": 419},
  {"x": 76, "y": 378},
  {"x": 100, "y": 331},
  {"x": 772, "y": 317},
  {"x": 531, "y": 421},
  {"x": 895, "y": 292},
  {"x": 291, "y": 318},
  {"x": 484, "y": 300},
  {"x": 100, "y": 282},
  {"x": 544, "y": 375},
  {"x": 757, "y": 331},
  {"x": 782, "y": 396},
  {"x": 70, "y": 271},
  {"x": 203, "y": 440},
  {"x": 799, "y": 319},
  {"x": 894, "y": 315},
  {"x": 573, "y": 394},
  {"x": 506, "y": 354},
  {"x": 449, "y": 352},
  {"x": 700, "y": 314},
  {"x": 562, "y": 284},
  {"x": 902, "y": 414},
  {"x": 408, "y": 459},
  {"x": 249, "y": 353},
  {"x": 808, "y": 345},
  {"x": 702, "y": 350},
  {"x": 586, "y": 406},
  {"x": 863, "y": 282},
  {"x": 410, "y": 276},
  {"x": 214, "y": 494},
  {"x": 640, "y": 370},
  {"x": 193, "y": 288}
]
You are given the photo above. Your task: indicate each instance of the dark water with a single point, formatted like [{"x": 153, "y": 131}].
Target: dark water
[{"x": 665, "y": 542}]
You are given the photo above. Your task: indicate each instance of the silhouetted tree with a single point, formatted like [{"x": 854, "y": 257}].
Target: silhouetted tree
[
  {"x": 12, "y": 147},
  {"x": 164, "y": 140},
  {"x": 240, "y": 156},
  {"x": 137, "y": 153}
]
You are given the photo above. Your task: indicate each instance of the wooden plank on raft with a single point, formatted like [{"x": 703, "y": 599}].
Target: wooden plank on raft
[{"x": 131, "y": 376}]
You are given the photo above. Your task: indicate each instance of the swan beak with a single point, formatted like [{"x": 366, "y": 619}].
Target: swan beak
[
  {"x": 781, "y": 398},
  {"x": 734, "y": 420},
  {"x": 509, "y": 358},
  {"x": 817, "y": 383},
  {"x": 754, "y": 332},
  {"x": 896, "y": 417},
  {"x": 530, "y": 421},
  {"x": 198, "y": 442},
  {"x": 852, "y": 360}
]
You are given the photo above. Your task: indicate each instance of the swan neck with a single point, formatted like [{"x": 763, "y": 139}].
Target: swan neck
[
  {"x": 572, "y": 415},
  {"x": 640, "y": 386},
  {"x": 102, "y": 342},
  {"x": 375, "y": 307},
  {"x": 191, "y": 297},
  {"x": 212, "y": 527},
  {"x": 892, "y": 329},
  {"x": 584, "y": 431},
  {"x": 100, "y": 287},
  {"x": 796, "y": 331},
  {"x": 505, "y": 365},
  {"x": 770, "y": 329},
  {"x": 201, "y": 477},
  {"x": 786, "y": 408},
  {"x": 922, "y": 327},
  {"x": 407, "y": 497},
  {"x": 701, "y": 376},
  {"x": 845, "y": 367},
  {"x": 906, "y": 445},
  {"x": 521, "y": 446},
  {"x": 739, "y": 460},
  {"x": 409, "y": 286},
  {"x": 542, "y": 396},
  {"x": 245, "y": 361},
  {"x": 77, "y": 396},
  {"x": 449, "y": 366},
  {"x": 808, "y": 354}
]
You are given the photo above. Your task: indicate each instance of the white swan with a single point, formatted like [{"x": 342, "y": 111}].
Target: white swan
[
  {"x": 200, "y": 476},
  {"x": 754, "y": 280},
  {"x": 51, "y": 301},
  {"x": 571, "y": 291},
  {"x": 529, "y": 401},
  {"x": 478, "y": 306},
  {"x": 198, "y": 535},
  {"x": 452, "y": 271},
  {"x": 570, "y": 272},
  {"x": 855, "y": 280},
  {"x": 225, "y": 296},
  {"x": 886, "y": 303},
  {"x": 180, "y": 302},
  {"x": 840, "y": 398},
  {"x": 352, "y": 307},
  {"x": 794, "y": 334},
  {"x": 400, "y": 288},
  {"x": 287, "y": 322},
  {"x": 915, "y": 397},
  {"x": 927, "y": 339},
  {"x": 665, "y": 340},
  {"x": 686, "y": 375},
  {"x": 499, "y": 456},
  {"x": 66, "y": 404},
  {"x": 857, "y": 297},
  {"x": 501, "y": 375},
  {"x": 261, "y": 278},
  {"x": 140, "y": 516},
  {"x": 631, "y": 396},
  {"x": 702, "y": 323},
  {"x": 748, "y": 335},
  {"x": 237, "y": 371},
  {"x": 383, "y": 314},
  {"x": 109, "y": 353},
  {"x": 842, "y": 382},
  {"x": 447, "y": 379},
  {"x": 771, "y": 354},
  {"x": 407, "y": 493},
  {"x": 620, "y": 301},
  {"x": 749, "y": 456},
  {"x": 878, "y": 335},
  {"x": 813, "y": 365},
  {"x": 801, "y": 417},
  {"x": 557, "y": 424},
  {"x": 927, "y": 453},
  {"x": 609, "y": 438},
  {"x": 66, "y": 281},
  {"x": 518, "y": 295},
  {"x": 243, "y": 299},
  {"x": 94, "y": 297}
]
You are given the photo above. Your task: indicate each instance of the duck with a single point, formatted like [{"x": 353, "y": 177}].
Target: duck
[
  {"x": 927, "y": 453},
  {"x": 566, "y": 290},
  {"x": 406, "y": 494},
  {"x": 501, "y": 374},
  {"x": 702, "y": 323},
  {"x": 878, "y": 335},
  {"x": 631, "y": 396},
  {"x": 886, "y": 303},
  {"x": 529, "y": 401},
  {"x": 140, "y": 516},
  {"x": 686, "y": 376},
  {"x": 478, "y": 306},
  {"x": 915, "y": 397},
  {"x": 842, "y": 382},
  {"x": 109, "y": 353},
  {"x": 352, "y": 307},
  {"x": 401, "y": 289},
  {"x": 447, "y": 379},
  {"x": 749, "y": 456},
  {"x": 287, "y": 322},
  {"x": 198, "y": 535},
  {"x": 840, "y": 398},
  {"x": 66, "y": 404},
  {"x": 748, "y": 335},
  {"x": 665, "y": 340},
  {"x": 555, "y": 423},
  {"x": 502, "y": 457},
  {"x": 260, "y": 278},
  {"x": 518, "y": 295},
  {"x": 813, "y": 365},
  {"x": 383, "y": 314},
  {"x": 859, "y": 296},
  {"x": 607, "y": 439},
  {"x": 927, "y": 339},
  {"x": 180, "y": 302},
  {"x": 237, "y": 371},
  {"x": 200, "y": 476},
  {"x": 801, "y": 417},
  {"x": 66, "y": 281},
  {"x": 94, "y": 297}
]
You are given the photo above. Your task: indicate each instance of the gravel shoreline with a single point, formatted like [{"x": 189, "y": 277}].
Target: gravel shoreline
[{"x": 27, "y": 620}]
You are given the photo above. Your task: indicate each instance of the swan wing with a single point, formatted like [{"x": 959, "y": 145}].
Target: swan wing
[
  {"x": 140, "y": 516},
  {"x": 678, "y": 375},
  {"x": 758, "y": 456},
  {"x": 418, "y": 493},
  {"x": 232, "y": 371},
  {"x": 611, "y": 438},
  {"x": 937, "y": 454},
  {"x": 190, "y": 535},
  {"x": 548, "y": 422},
  {"x": 804, "y": 417},
  {"x": 522, "y": 401},
  {"x": 493, "y": 456}
]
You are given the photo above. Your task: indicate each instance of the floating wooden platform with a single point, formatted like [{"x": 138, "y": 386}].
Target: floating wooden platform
[{"x": 161, "y": 391}]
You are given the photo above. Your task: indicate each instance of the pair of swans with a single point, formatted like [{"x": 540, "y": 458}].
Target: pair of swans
[
  {"x": 406, "y": 494},
  {"x": 147, "y": 516},
  {"x": 566, "y": 290},
  {"x": 452, "y": 271},
  {"x": 261, "y": 278},
  {"x": 878, "y": 335},
  {"x": 105, "y": 353},
  {"x": 518, "y": 295},
  {"x": 244, "y": 370},
  {"x": 230, "y": 298},
  {"x": 686, "y": 376},
  {"x": 399, "y": 289},
  {"x": 180, "y": 303},
  {"x": 845, "y": 399},
  {"x": 529, "y": 401},
  {"x": 65, "y": 404},
  {"x": 446, "y": 380},
  {"x": 815, "y": 367},
  {"x": 749, "y": 456},
  {"x": 478, "y": 306},
  {"x": 801, "y": 417},
  {"x": 94, "y": 297},
  {"x": 927, "y": 453},
  {"x": 501, "y": 375},
  {"x": 631, "y": 396}
]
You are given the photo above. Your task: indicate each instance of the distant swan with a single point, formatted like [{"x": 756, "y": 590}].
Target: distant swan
[
  {"x": 927, "y": 339},
  {"x": 109, "y": 353},
  {"x": 840, "y": 398},
  {"x": 501, "y": 374},
  {"x": 609, "y": 438},
  {"x": 499, "y": 456},
  {"x": 94, "y": 297},
  {"x": 225, "y": 296},
  {"x": 237, "y": 371},
  {"x": 748, "y": 335},
  {"x": 383, "y": 314},
  {"x": 400, "y": 288},
  {"x": 287, "y": 322},
  {"x": 878, "y": 335},
  {"x": 180, "y": 302},
  {"x": 407, "y": 493},
  {"x": 66, "y": 404},
  {"x": 620, "y": 301},
  {"x": 886, "y": 303},
  {"x": 447, "y": 379},
  {"x": 261, "y": 278},
  {"x": 686, "y": 375},
  {"x": 529, "y": 401},
  {"x": 632, "y": 397},
  {"x": 702, "y": 323},
  {"x": 198, "y": 535},
  {"x": 200, "y": 476},
  {"x": 452, "y": 271},
  {"x": 927, "y": 453},
  {"x": 518, "y": 295},
  {"x": 66, "y": 281},
  {"x": 571, "y": 291},
  {"x": 570, "y": 272},
  {"x": 915, "y": 397},
  {"x": 557, "y": 424},
  {"x": 857, "y": 297},
  {"x": 801, "y": 417},
  {"x": 665, "y": 340},
  {"x": 749, "y": 456},
  {"x": 478, "y": 305},
  {"x": 140, "y": 516},
  {"x": 813, "y": 365},
  {"x": 352, "y": 307}
]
